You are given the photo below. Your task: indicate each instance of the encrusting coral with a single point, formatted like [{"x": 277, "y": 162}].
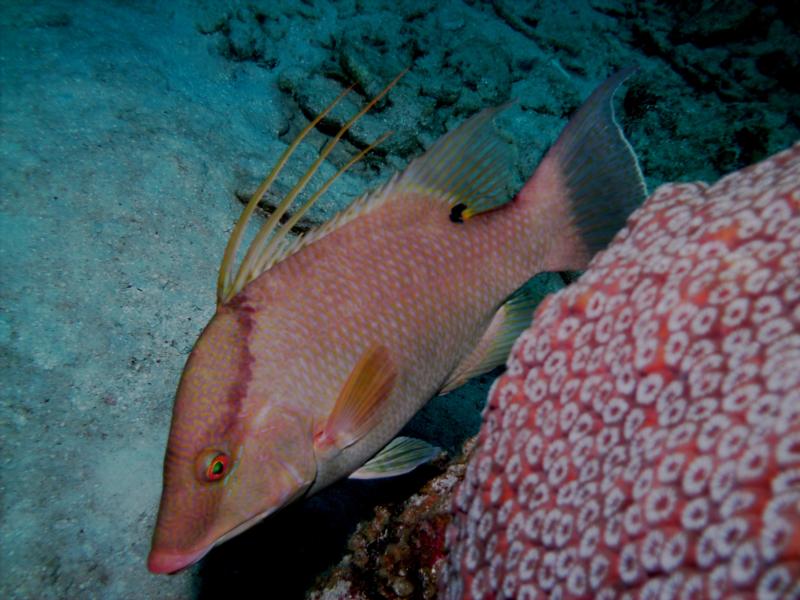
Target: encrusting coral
[
  {"x": 645, "y": 439},
  {"x": 400, "y": 552}
]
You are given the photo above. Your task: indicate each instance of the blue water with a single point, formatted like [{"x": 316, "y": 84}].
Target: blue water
[{"x": 129, "y": 132}]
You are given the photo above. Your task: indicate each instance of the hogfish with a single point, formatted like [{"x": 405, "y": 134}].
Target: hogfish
[{"x": 323, "y": 347}]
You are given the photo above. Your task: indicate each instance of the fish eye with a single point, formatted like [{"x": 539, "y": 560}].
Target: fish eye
[{"x": 212, "y": 465}]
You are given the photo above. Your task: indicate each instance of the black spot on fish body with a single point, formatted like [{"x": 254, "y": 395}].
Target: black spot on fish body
[{"x": 457, "y": 211}]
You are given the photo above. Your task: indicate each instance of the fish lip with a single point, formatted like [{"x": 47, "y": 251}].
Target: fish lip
[
  {"x": 164, "y": 562},
  {"x": 170, "y": 562}
]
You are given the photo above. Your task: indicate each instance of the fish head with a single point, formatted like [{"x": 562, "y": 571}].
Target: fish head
[{"x": 234, "y": 455}]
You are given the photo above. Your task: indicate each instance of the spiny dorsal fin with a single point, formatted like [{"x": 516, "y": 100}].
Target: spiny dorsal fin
[
  {"x": 360, "y": 206},
  {"x": 468, "y": 168},
  {"x": 369, "y": 385},
  {"x": 268, "y": 242},
  {"x": 491, "y": 351}
]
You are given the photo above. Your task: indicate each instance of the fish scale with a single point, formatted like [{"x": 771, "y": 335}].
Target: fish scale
[
  {"x": 323, "y": 347},
  {"x": 448, "y": 290}
]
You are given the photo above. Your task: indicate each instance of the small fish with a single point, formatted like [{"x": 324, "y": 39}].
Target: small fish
[{"x": 323, "y": 347}]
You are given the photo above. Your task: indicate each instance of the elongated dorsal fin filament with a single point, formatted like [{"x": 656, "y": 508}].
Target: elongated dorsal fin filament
[
  {"x": 269, "y": 255},
  {"x": 225, "y": 270},
  {"x": 266, "y": 246}
]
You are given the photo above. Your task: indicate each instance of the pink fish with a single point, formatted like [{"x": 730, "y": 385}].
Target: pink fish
[
  {"x": 645, "y": 439},
  {"x": 322, "y": 348}
]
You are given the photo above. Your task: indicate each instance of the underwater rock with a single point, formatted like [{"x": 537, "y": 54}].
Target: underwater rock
[
  {"x": 400, "y": 552},
  {"x": 645, "y": 438},
  {"x": 248, "y": 34},
  {"x": 483, "y": 68},
  {"x": 728, "y": 56},
  {"x": 552, "y": 26}
]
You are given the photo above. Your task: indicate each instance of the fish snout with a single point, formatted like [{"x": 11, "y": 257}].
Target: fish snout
[{"x": 168, "y": 562}]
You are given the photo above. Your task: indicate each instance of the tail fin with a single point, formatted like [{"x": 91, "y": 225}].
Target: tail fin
[{"x": 592, "y": 172}]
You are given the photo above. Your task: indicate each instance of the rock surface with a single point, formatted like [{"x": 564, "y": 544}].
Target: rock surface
[{"x": 400, "y": 552}]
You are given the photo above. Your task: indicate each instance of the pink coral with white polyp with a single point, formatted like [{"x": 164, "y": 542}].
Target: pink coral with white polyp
[{"x": 646, "y": 443}]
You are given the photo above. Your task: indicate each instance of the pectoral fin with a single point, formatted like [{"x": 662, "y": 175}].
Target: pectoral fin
[
  {"x": 509, "y": 321},
  {"x": 358, "y": 405},
  {"x": 401, "y": 455}
]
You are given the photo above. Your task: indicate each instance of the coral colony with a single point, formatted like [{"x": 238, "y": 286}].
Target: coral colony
[{"x": 645, "y": 439}]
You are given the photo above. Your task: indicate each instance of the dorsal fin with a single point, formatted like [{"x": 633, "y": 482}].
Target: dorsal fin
[
  {"x": 359, "y": 206},
  {"x": 470, "y": 167},
  {"x": 265, "y": 249}
]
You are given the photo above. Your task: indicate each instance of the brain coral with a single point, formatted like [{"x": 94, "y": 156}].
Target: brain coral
[{"x": 645, "y": 439}]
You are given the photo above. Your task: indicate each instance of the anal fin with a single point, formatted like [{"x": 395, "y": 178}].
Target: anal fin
[
  {"x": 400, "y": 456},
  {"x": 358, "y": 405},
  {"x": 492, "y": 349}
]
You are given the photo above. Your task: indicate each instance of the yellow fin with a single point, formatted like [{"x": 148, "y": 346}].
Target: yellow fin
[
  {"x": 400, "y": 456},
  {"x": 268, "y": 247},
  {"x": 357, "y": 407},
  {"x": 491, "y": 351},
  {"x": 469, "y": 167},
  {"x": 225, "y": 285}
]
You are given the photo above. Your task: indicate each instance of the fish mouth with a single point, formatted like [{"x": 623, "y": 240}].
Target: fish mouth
[
  {"x": 169, "y": 562},
  {"x": 166, "y": 562}
]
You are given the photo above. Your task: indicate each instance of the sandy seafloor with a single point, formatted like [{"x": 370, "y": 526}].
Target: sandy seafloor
[{"x": 130, "y": 131}]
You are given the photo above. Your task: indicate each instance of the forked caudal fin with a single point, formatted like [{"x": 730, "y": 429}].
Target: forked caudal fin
[{"x": 592, "y": 172}]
